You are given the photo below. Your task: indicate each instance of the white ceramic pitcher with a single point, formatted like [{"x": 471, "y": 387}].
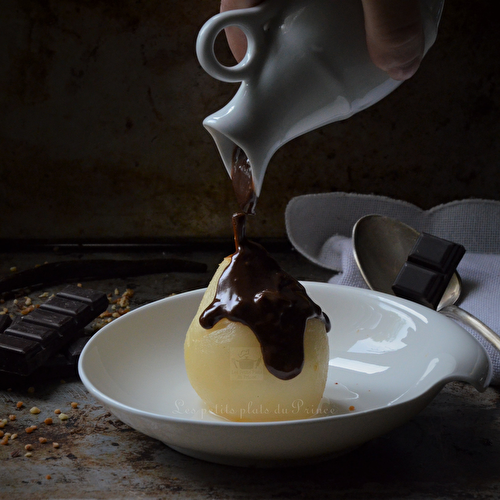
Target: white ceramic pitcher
[{"x": 306, "y": 65}]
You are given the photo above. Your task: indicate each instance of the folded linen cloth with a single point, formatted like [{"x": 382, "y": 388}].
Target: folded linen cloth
[{"x": 320, "y": 228}]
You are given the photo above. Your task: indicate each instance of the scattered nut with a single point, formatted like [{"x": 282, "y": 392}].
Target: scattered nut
[
  {"x": 63, "y": 416},
  {"x": 42, "y": 440},
  {"x": 28, "y": 447},
  {"x": 12, "y": 418},
  {"x": 57, "y": 411},
  {"x": 19, "y": 404},
  {"x": 48, "y": 421},
  {"x": 74, "y": 405},
  {"x": 29, "y": 454},
  {"x": 14, "y": 436},
  {"x": 35, "y": 410},
  {"x": 48, "y": 476},
  {"x": 4, "y": 441},
  {"x": 1, "y": 434},
  {"x": 27, "y": 310},
  {"x": 55, "y": 445}
]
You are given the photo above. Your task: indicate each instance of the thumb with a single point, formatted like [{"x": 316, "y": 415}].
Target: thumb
[{"x": 394, "y": 36}]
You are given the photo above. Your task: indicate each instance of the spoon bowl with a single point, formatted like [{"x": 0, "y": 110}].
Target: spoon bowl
[{"x": 381, "y": 246}]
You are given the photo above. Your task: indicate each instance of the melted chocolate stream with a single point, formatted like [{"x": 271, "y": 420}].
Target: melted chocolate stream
[
  {"x": 255, "y": 291},
  {"x": 241, "y": 176}
]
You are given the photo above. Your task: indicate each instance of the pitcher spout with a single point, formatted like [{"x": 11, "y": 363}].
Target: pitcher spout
[{"x": 230, "y": 137}]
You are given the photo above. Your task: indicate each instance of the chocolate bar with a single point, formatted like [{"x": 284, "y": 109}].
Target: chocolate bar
[
  {"x": 428, "y": 270},
  {"x": 30, "y": 341}
]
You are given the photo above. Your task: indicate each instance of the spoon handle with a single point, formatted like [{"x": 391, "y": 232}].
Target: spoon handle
[{"x": 468, "y": 319}]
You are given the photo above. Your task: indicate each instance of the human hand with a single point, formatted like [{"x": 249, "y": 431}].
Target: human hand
[
  {"x": 235, "y": 37},
  {"x": 394, "y": 34}
]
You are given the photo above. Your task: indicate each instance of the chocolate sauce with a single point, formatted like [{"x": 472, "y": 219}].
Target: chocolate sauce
[
  {"x": 241, "y": 176},
  {"x": 255, "y": 291}
]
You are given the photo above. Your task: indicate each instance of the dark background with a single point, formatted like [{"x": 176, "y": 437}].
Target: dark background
[{"x": 101, "y": 104}]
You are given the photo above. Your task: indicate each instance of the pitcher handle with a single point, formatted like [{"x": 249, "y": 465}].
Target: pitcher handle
[{"x": 252, "y": 22}]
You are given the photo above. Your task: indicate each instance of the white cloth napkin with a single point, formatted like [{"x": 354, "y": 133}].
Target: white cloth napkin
[{"x": 320, "y": 228}]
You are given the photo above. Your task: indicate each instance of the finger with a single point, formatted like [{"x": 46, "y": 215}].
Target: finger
[
  {"x": 235, "y": 37},
  {"x": 394, "y": 36},
  {"x": 237, "y": 4}
]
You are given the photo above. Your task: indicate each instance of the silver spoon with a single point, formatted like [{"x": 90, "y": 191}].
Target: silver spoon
[{"x": 381, "y": 246}]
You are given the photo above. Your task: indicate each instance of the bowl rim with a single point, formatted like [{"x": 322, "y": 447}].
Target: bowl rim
[{"x": 117, "y": 405}]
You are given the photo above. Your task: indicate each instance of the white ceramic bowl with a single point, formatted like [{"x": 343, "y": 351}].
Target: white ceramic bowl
[{"x": 388, "y": 358}]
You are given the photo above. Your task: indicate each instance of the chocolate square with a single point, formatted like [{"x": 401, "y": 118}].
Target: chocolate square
[
  {"x": 420, "y": 285},
  {"x": 436, "y": 253}
]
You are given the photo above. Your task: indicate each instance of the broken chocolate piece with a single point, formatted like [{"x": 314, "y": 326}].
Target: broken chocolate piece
[
  {"x": 426, "y": 274},
  {"x": 419, "y": 284},
  {"x": 74, "y": 350},
  {"x": 64, "y": 364},
  {"x": 436, "y": 253},
  {"x": 57, "y": 366}
]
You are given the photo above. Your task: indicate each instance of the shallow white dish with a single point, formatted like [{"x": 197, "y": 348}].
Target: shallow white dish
[{"x": 388, "y": 358}]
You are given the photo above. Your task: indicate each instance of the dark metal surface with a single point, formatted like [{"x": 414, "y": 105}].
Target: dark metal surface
[{"x": 449, "y": 451}]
